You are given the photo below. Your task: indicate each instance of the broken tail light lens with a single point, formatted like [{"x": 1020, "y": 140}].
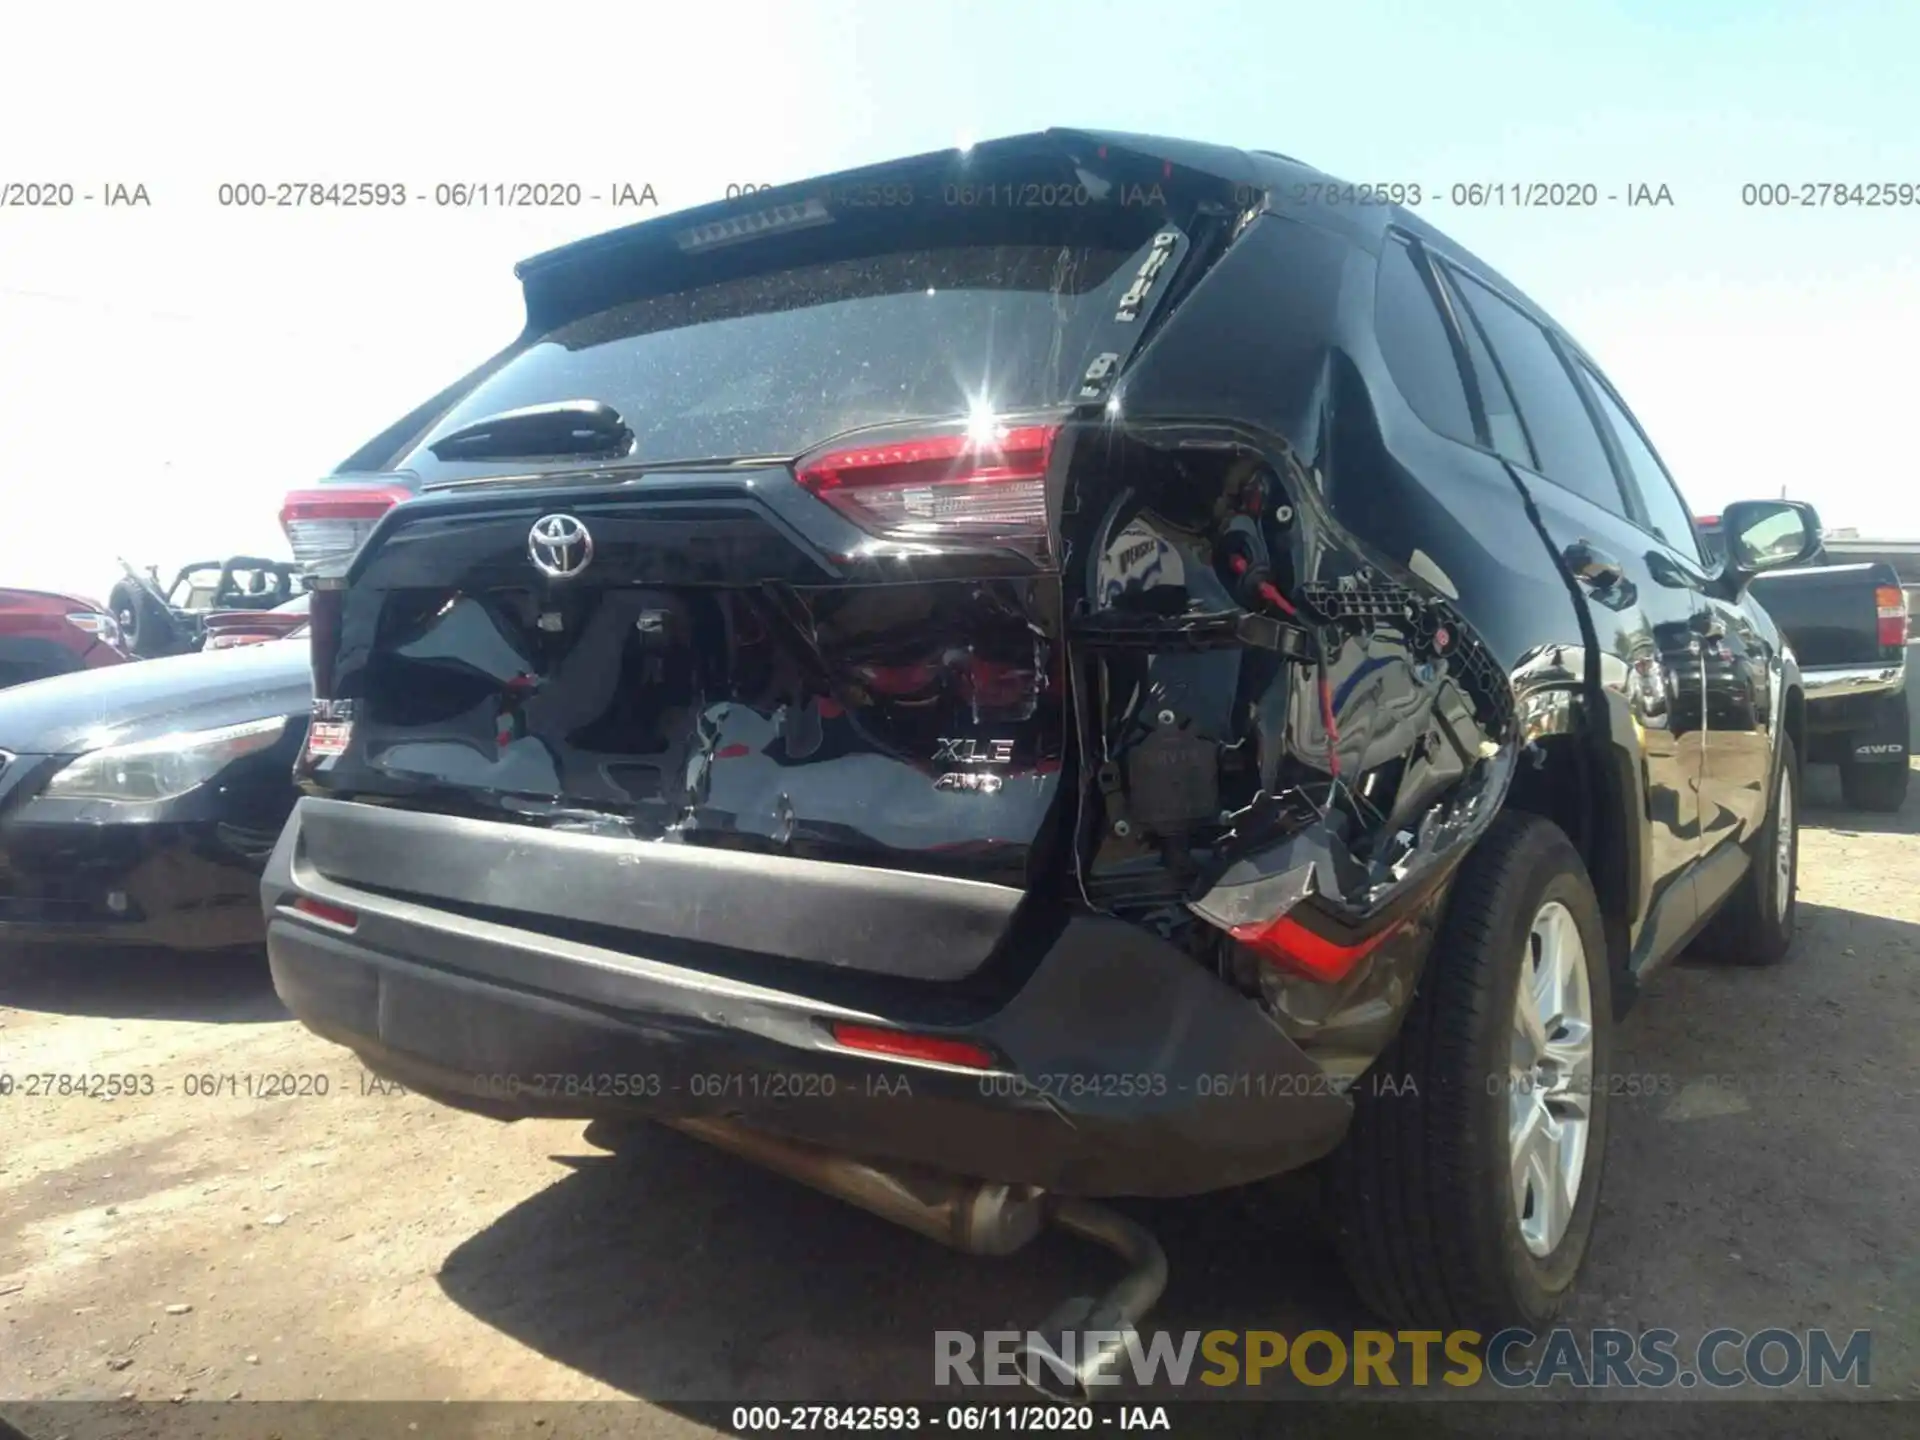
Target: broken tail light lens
[
  {"x": 982, "y": 484},
  {"x": 330, "y": 522},
  {"x": 1891, "y": 603},
  {"x": 1291, "y": 946}
]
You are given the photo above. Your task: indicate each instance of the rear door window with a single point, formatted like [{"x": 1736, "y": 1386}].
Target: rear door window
[
  {"x": 1564, "y": 439},
  {"x": 1505, "y": 433}
]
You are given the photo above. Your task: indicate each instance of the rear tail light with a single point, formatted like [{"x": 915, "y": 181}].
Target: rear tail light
[
  {"x": 903, "y": 1045},
  {"x": 330, "y": 522},
  {"x": 1891, "y": 602},
  {"x": 1291, "y": 946},
  {"x": 984, "y": 484}
]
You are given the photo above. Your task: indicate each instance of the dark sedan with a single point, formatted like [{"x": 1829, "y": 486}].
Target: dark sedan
[{"x": 138, "y": 803}]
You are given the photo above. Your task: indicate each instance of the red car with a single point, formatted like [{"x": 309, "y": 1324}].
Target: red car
[{"x": 43, "y": 633}]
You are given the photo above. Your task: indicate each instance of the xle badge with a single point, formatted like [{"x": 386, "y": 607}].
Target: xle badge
[
  {"x": 974, "y": 752},
  {"x": 970, "y": 751}
]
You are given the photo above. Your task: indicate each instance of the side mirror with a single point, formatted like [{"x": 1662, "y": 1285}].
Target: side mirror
[{"x": 1768, "y": 535}]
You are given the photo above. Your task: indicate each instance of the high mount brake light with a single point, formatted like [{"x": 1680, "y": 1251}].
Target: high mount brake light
[
  {"x": 983, "y": 486},
  {"x": 330, "y": 522},
  {"x": 1891, "y": 603}
]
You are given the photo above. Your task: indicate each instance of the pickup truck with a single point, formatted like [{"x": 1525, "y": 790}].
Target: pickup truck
[{"x": 1848, "y": 626}]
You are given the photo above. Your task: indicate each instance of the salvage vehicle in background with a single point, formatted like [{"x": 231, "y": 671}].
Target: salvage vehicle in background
[
  {"x": 981, "y": 707},
  {"x": 45, "y": 633},
  {"x": 156, "y": 622},
  {"x": 138, "y": 803},
  {"x": 1848, "y": 626}
]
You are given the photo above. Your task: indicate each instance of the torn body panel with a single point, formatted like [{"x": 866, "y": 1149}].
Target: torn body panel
[
  {"x": 1271, "y": 722},
  {"x": 915, "y": 726},
  {"x": 1376, "y": 733}
]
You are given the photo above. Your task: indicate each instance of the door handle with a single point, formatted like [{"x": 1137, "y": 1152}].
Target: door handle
[{"x": 1593, "y": 567}]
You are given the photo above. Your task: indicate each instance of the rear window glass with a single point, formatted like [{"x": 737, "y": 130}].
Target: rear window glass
[
  {"x": 773, "y": 363},
  {"x": 1413, "y": 338}
]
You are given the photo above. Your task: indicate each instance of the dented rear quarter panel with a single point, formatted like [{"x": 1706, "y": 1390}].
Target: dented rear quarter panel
[
  {"x": 1278, "y": 345},
  {"x": 1280, "y": 339}
]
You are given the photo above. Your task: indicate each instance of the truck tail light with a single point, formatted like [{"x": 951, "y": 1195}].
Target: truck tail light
[
  {"x": 329, "y": 522},
  {"x": 985, "y": 483},
  {"x": 1891, "y": 602}
]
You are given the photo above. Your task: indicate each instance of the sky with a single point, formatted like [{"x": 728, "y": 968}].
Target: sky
[{"x": 168, "y": 371}]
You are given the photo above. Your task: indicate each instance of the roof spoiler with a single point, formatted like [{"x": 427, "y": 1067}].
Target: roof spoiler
[{"x": 556, "y": 281}]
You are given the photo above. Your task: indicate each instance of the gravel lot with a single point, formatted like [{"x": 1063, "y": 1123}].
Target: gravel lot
[{"x": 365, "y": 1245}]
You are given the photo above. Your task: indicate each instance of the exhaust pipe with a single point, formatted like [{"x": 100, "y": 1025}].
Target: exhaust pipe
[
  {"x": 981, "y": 1217},
  {"x": 1078, "y": 1344},
  {"x": 1081, "y": 1340}
]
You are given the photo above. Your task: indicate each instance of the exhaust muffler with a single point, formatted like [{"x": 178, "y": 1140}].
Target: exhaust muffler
[{"x": 1082, "y": 1340}]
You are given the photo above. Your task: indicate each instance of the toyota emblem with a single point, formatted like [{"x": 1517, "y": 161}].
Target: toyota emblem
[{"x": 560, "y": 546}]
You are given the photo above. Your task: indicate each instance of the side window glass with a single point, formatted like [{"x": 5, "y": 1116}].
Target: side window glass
[
  {"x": 1557, "y": 420},
  {"x": 1413, "y": 338},
  {"x": 1667, "y": 513},
  {"x": 1504, "y": 431}
]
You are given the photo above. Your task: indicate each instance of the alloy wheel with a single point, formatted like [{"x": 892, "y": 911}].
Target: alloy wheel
[{"x": 1550, "y": 1080}]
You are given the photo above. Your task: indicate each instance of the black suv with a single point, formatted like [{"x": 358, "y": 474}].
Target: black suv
[{"x": 1092, "y": 665}]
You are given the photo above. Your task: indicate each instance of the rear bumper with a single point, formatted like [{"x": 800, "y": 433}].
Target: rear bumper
[
  {"x": 1124, "y": 1067},
  {"x": 1857, "y": 715},
  {"x": 1832, "y": 682}
]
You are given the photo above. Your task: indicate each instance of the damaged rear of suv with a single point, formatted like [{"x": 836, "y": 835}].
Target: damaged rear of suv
[{"x": 1009, "y": 677}]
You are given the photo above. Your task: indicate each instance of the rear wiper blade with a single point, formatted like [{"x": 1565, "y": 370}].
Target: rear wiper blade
[{"x": 561, "y": 427}]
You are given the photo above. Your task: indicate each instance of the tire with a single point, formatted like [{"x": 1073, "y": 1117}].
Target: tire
[
  {"x": 1755, "y": 925},
  {"x": 125, "y": 600},
  {"x": 1422, "y": 1200},
  {"x": 1878, "y": 786}
]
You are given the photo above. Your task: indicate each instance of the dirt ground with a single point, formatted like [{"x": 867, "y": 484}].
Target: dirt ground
[{"x": 369, "y": 1245}]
